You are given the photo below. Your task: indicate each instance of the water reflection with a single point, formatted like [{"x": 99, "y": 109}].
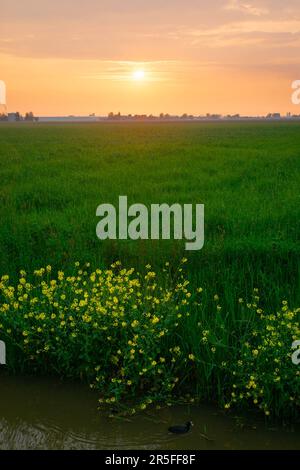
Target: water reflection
[{"x": 47, "y": 414}]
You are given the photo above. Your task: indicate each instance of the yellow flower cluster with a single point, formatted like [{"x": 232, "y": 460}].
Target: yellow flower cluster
[
  {"x": 264, "y": 375},
  {"x": 112, "y": 326}
]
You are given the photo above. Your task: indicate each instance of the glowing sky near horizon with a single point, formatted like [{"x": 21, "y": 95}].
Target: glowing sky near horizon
[{"x": 223, "y": 56}]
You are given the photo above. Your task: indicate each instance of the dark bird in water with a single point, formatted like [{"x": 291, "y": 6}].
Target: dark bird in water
[{"x": 181, "y": 429}]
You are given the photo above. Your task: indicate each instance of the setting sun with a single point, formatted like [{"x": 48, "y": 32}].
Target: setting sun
[{"x": 138, "y": 75}]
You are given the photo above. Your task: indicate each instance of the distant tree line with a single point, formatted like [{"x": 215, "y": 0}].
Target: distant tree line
[{"x": 18, "y": 117}]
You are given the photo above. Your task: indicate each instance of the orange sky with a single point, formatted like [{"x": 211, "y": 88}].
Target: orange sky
[{"x": 222, "y": 56}]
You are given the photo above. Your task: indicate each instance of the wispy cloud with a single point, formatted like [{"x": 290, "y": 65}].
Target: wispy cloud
[
  {"x": 245, "y": 7},
  {"x": 155, "y": 71},
  {"x": 122, "y": 70},
  {"x": 240, "y": 33}
]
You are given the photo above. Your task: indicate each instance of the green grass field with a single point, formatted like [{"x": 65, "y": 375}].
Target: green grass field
[
  {"x": 53, "y": 177},
  {"x": 153, "y": 338}
]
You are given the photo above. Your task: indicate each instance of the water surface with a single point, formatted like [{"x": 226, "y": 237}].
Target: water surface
[{"x": 47, "y": 414}]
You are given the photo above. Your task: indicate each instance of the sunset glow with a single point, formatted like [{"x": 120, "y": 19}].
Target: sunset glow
[{"x": 228, "y": 56}]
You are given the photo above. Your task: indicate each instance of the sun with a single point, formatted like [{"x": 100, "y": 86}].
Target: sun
[{"x": 138, "y": 75}]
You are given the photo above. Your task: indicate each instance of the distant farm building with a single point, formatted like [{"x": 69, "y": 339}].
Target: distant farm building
[{"x": 12, "y": 117}]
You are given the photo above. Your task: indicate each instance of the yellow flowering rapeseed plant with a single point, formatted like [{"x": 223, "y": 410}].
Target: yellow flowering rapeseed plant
[
  {"x": 265, "y": 376},
  {"x": 146, "y": 337},
  {"x": 112, "y": 327}
]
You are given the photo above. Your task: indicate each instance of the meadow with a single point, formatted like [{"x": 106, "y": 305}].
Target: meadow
[{"x": 247, "y": 175}]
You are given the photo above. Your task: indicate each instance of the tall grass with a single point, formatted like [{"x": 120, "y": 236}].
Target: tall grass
[{"x": 247, "y": 174}]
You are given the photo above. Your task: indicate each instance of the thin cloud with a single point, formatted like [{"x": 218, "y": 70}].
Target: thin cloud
[
  {"x": 122, "y": 70},
  {"x": 244, "y": 33},
  {"x": 155, "y": 71},
  {"x": 247, "y": 8}
]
